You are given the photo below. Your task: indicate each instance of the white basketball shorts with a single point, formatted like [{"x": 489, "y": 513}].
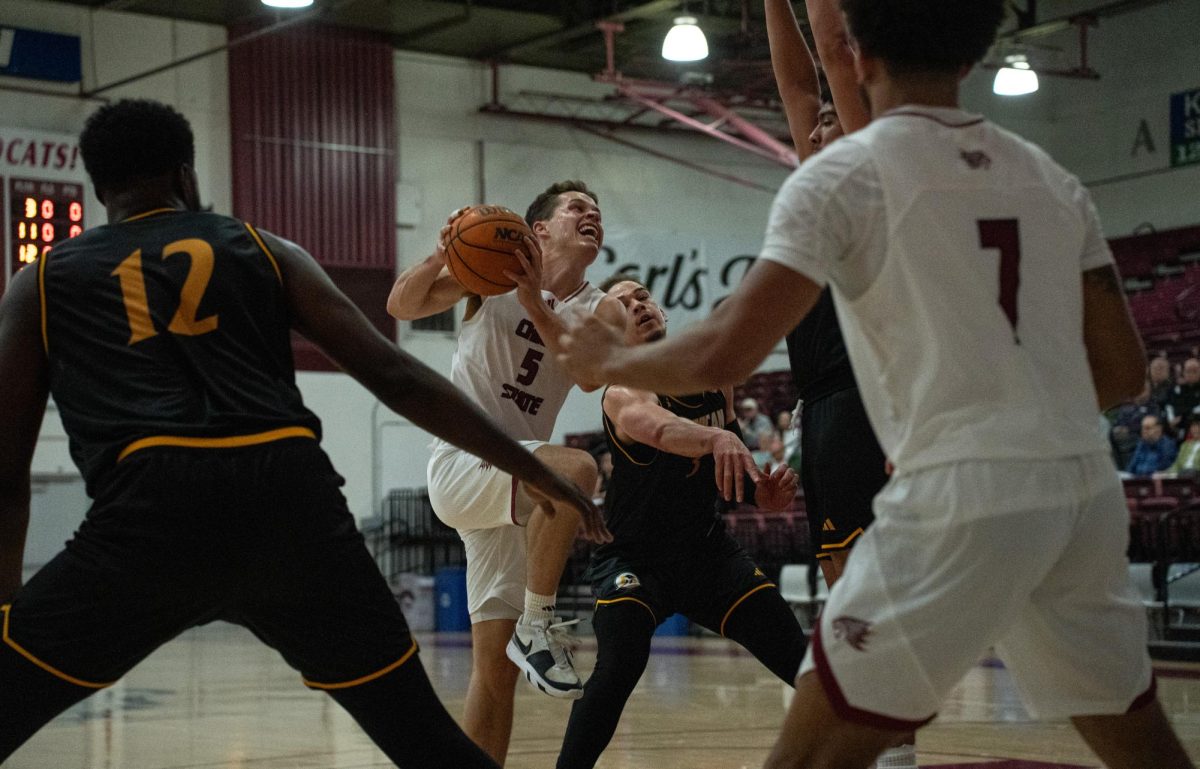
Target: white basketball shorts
[
  {"x": 489, "y": 511},
  {"x": 1028, "y": 557}
]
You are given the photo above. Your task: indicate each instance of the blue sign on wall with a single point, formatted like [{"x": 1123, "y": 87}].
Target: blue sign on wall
[
  {"x": 39, "y": 55},
  {"x": 1185, "y": 128}
]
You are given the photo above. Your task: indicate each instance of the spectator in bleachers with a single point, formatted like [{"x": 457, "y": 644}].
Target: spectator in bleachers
[
  {"x": 604, "y": 464},
  {"x": 1187, "y": 462},
  {"x": 1127, "y": 424},
  {"x": 790, "y": 433},
  {"x": 1155, "y": 452},
  {"x": 771, "y": 453},
  {"x": 753, "y": 423},
  {"x": 1184, "y": 401},
  {"x": 1162, "y": 383}
]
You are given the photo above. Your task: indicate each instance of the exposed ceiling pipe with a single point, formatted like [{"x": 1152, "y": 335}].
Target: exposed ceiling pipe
[
  {"x": 1039, "y": 29},
  {"x": 49, "y": 92},
  {"x": 673, "y": 159},
  {"x": 652, "y": 8},
  {"x": 1082, "y": 71}
]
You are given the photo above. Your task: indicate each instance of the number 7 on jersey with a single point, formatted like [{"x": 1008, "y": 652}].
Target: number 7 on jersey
[{"x": 1004, "y": 235}]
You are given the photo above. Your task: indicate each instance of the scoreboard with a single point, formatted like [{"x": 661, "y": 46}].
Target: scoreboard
[
  {"x": 41, "y": 214},
  {"x": 43, "y": 195}
]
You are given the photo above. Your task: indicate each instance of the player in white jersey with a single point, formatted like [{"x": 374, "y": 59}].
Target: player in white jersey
[
  {"x": 986, "y": 324},
  {"x": 842, "y": 464},
  {"x": 506, "y": 362}
]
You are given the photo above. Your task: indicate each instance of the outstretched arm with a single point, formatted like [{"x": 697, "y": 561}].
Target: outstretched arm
[
  {"x": 837, "y": 59},
  {"x": 638, "y": 417},
  {"x": 795, "y": 73},
  {"x": 722, "y": 349},
  {"x": 324, "y": 315},
  {"x": 24, "y": 373}
]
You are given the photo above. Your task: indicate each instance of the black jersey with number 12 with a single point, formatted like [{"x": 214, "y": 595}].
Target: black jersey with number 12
[{"x": 170, "y": 328}]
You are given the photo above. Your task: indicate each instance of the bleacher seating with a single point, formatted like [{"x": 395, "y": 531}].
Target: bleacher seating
[
  {"x": 1164, "y": 551},
  {"x": 1162, "y": 278},
  {"x": 773, "y": 390}
]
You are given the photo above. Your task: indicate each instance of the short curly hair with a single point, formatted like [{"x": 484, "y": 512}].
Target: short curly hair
[
  {"x": 542, "y": 207},
  {"x": 132, "y": 140},
  {"x": 914, "y": 36}
]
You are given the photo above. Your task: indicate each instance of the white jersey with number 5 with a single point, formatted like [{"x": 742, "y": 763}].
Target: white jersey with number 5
[
  {"x": 954, "y": 249},
  {"x": 504, "y": 366}
]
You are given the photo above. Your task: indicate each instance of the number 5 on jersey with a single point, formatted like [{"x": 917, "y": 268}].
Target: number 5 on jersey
[{"x": 137, "y": 306}]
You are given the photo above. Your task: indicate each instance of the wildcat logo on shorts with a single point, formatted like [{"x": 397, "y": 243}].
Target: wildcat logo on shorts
[
  {"x": 627, "y": 580},
  {"x": 852, "y": 631}
]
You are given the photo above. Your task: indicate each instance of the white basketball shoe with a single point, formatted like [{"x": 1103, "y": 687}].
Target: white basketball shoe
[{"x": 542, "y": 651}]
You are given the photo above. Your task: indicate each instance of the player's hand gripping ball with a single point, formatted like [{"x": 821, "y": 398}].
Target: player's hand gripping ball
[{"x": 480, "y": 247}]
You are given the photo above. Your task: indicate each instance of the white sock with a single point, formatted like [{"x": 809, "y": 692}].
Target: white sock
[
  {"x": 899, "y": 757},
  {"x": 538, "y": 607}
]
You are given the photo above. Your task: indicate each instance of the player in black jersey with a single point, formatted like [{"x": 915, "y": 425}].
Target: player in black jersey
[
  {"x": 841, "y": 463},
  {"x": 164, "y": 339},
  {"x": 673, "y": 459}
]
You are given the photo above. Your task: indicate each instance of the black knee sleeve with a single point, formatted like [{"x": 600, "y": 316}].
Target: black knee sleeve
[
  {"x": 767, "y": 627},
  {"x": 623, "y": 632}
]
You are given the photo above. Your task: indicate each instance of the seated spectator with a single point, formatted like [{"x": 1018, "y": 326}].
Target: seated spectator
[
  {"x": 604, "y": 464},
  {"x": 791, "y": 438},
  {"x": 753, "y": 423},
  {"x": 1127, "y": 424},
  {"x": 1184, "y": 401},
  {"x": 771, "y": 453},
  {"x": 1161, "y": 381},
  {"x": 1188, "y": 460},
  {"x": 1155, "y": 452}
]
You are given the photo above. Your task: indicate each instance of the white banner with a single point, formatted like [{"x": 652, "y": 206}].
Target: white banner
[{"x": 686, "y": 275}]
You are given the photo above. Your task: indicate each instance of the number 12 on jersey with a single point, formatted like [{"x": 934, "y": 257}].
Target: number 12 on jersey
[
  {"x": 1004, "y": 235},
  {"x": 137, "y": 306}
]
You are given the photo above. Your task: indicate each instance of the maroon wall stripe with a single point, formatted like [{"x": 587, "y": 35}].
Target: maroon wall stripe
[{"x": 314, "y": 151}]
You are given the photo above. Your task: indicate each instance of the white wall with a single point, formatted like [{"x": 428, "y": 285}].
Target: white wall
[
  {"x": 450, "y": 155},
  {"x": 1092, "y": 126}
]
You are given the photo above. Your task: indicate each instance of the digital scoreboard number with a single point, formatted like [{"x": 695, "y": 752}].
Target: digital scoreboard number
[
  {"x": 43, "y": 186},
  {"x": 41, "y": 213}
]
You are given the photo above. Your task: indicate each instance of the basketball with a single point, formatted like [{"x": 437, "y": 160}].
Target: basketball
[{"x": 481, "y": 246}]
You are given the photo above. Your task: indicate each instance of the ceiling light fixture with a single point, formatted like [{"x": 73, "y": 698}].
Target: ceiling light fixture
[
  {"x": 1016, "y": 77},
  {"x": 288, "y": 3},
  {"x": 685, "y": 41}
]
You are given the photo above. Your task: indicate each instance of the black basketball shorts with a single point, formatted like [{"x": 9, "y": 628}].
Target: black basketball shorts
[
  {"x": 704, "y": 580},
  {"x": 178, "y": 537},
  {"x": 841, "y": 470}
]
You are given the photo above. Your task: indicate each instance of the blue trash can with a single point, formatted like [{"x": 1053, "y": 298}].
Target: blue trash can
[
  {"x": 450, "y": 595},
  {"x": 676, "y": 624}
]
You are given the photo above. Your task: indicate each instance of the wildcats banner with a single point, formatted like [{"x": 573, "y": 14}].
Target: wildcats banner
[
  {"x": 40, "y": 153},
  {"x": 687, "y": 276}
]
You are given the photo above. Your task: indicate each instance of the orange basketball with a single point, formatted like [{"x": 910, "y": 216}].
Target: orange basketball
[{"x": 481, "y": 246}]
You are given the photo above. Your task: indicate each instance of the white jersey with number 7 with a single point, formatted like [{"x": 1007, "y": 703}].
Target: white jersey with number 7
[{"x": 954, "y": 249}]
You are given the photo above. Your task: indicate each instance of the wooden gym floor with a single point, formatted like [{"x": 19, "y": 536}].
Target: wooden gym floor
[{"x": 216, "y": 698}]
